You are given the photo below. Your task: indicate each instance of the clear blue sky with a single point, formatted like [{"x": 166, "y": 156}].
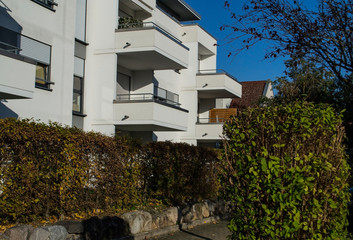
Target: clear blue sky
[{"x": 247, "y": 66}]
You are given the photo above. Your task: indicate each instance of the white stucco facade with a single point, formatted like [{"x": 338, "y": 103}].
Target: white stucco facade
[{"x": 131, "y": 67}]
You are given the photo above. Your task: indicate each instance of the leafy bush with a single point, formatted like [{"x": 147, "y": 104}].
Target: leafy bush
[
  {"x": 177, "y": 172},
  {"x": 285, "y": 169},
  {"x": 50, "y": 171}
]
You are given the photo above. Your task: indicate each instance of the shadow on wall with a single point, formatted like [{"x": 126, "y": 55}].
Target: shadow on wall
[
  {"x": 7, "y": 21},
  {"x": 6, "y": 112}
]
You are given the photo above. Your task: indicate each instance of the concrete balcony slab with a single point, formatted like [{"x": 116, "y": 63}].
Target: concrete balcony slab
[
  {"x": 17, "y": 76},
  {"x": 149, "y": 47},
  {"x": 217, "y": 84},
  {"x": 149, "y": 116}
]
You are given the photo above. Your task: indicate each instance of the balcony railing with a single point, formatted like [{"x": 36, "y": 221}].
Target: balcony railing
[
  {"x": 212, "y": 120},
  {"x": 150, "y": 25},
  {"x": 19, "y": 44},
  {"x": 160, "y": 95},
  {"x": 216, "y": 71},
  {"x": 218, "y": 115}
]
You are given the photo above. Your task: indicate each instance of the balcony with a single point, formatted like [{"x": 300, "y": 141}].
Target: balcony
[
  {"x": 160, "y": 111},
  {"x": 217, "y": 84},
  {"x": 206, "y": 42},
  {"x": 146, "y": 46},
  {"x": 19, "y": 55},
  {"x": 211, "y": 129},
  {"x": 17, "y": 77}
]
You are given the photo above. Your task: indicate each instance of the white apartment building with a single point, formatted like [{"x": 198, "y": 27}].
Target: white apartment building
[{"x": 132, "y": 67}]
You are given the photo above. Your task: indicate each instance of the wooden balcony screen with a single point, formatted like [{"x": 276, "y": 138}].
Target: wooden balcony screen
[{"x": 221, "y": 115}]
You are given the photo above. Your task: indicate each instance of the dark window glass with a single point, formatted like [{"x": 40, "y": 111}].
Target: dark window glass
[
  {"x": 77, "y": 101},
  {"x": 47, "y": 3},
  {"x": 42, "y": 76}
]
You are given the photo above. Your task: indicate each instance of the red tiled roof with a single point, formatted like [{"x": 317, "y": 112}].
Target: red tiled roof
[{"x": 251, "y": 93}]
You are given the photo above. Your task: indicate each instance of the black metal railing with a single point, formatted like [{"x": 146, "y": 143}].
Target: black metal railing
[
  {"x": 149, "y": 25},
  {"x": 215, "y": 72},
  {"x": 160, "y": 95}
]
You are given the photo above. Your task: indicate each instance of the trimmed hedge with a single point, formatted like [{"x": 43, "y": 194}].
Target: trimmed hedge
[
  {"x": 53, "y": 171},
  {"x": 285, "y": 169},
  {"x": 50, "y": 170},
  {"x": 176, "y": 173}
]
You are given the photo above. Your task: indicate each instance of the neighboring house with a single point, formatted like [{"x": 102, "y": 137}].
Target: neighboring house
[
  {"x": 132, "y": 67},
  {"x": 252, "y": 92}
]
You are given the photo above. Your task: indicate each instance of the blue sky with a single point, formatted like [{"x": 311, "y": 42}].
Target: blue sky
[{"x": 247, "y": 66}]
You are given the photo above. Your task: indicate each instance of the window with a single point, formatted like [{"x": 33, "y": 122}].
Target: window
[
  {"x": 42, "y": 76},
  {"x": 81, "y": 6},
  {"x": 27, "y": 47},
  {"x": 77, "y": 102},
  {"x": 46, "y": 3}
]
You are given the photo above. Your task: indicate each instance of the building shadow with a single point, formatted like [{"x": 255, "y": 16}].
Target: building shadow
[
  {"x": 7, "y": 21},
  {"x": 195, "y": 235},
  {"x": 6, "y": 112}
]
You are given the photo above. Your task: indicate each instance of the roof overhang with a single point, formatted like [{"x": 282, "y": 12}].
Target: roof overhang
[{"x": 182, "y": 9}]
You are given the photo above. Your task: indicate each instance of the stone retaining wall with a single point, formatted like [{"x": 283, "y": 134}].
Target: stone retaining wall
[{"x": 136, "y": 225}]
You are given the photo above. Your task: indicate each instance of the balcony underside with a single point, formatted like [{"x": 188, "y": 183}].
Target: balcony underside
[
  {"x": 147, "y": 59},
  {"x": 143, "y": 126},
  {"x": 217, "y": 93}
]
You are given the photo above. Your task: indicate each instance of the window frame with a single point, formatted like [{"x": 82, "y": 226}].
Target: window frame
[
  {"x": 84, "y": 41},
  {"x": 49, "y": 5},
  {"x": 47, "y": 82},
  {"x": 81, "y": 94}
]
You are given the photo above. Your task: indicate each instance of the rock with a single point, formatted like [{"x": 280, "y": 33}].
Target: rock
[
  {"x": 194, "y": 212},
  {"x": 211, "y": 207},
  {"x": 39, "y": 234},
  {"x": 3, "y": 237},
  {"x": 223, "y": 209},
  {"x": 139, "y": 221},
  {"x": 49, "y": 233},
  {"x": 203, "y": 208},
  {"x": 74, "y": 237},
  {"x": 168, "y": 217},
  {"x": 72, "y": 227},
  {"x": 20, "y": 232}
]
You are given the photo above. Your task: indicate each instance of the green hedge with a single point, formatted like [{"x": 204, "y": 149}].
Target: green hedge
[
  {"x": 177, "y": 172},
  {"x": 285, "y": 169},
  {"x": 54, "y": 171}
]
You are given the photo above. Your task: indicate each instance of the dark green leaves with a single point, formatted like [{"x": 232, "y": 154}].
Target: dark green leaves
[{"x": 289, "y": 172}]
